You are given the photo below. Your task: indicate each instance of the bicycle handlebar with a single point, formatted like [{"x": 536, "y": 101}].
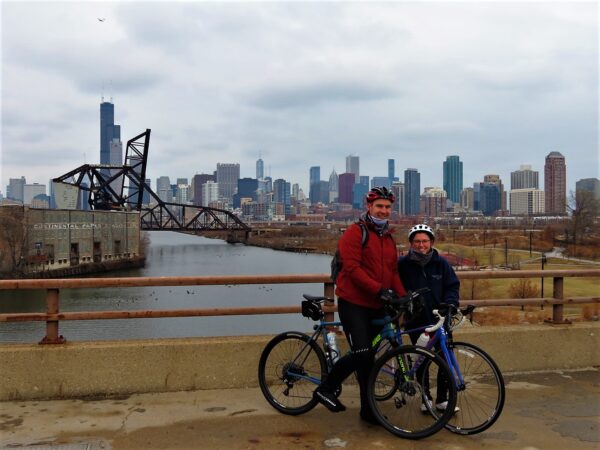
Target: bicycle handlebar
[{"x": 439, "y": 324}]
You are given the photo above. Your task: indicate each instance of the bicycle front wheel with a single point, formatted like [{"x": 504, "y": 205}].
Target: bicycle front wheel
[
  {"x": 290, "y": 368},
  {"x": 400, "y": 387},
  {"x": 481, "y": 399}
]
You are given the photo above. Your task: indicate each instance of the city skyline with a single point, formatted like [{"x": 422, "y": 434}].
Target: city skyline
[{"x": 303, "y": 85}]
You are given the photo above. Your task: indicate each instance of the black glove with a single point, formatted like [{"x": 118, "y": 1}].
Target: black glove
[{"x": 387, "y": 295}]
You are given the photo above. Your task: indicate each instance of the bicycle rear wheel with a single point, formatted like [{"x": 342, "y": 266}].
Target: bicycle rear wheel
[
  {"x": 481, "y": 399},
  {"x": 399, "y": 391},
  {"x": 290, "y": 368}
]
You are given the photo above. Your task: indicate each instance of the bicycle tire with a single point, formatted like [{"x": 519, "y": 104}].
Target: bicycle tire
[
  {"x": 290, "y": 368},
  {"x": 400, "y": 413},
  {"x": 482, "y": 399}
]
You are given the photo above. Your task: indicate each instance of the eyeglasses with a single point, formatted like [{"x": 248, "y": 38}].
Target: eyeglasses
[{"x": 421, "y": 242}]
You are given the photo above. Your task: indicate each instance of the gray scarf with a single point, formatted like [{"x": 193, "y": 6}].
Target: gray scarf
[{"x": 420, "y": 258}]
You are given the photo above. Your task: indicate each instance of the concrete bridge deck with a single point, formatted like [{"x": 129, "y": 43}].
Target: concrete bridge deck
[{"x": 543, "y": 410}]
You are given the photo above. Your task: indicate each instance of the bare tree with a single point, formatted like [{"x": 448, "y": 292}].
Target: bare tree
[
  {"x": 523, "y": 288},
  {"x": 13, "y": 238},
  {"x": 584, "y": 209}
]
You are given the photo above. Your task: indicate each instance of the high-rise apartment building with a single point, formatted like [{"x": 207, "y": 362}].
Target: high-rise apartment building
[
  {"x": 526, "y": 202},
  {"x": 346, "y": 185},
  {"x": 453, "y": 177},
  {"x": 524, "y": 178},
  {"x": 109, "y": 133},
  {"x": 555, "y": 183},
  {"x": 260, "y": 169},
  {"x": 466, "y": 199},
  {"x": 398, "y": 190},
  {"x": 227, "y": 179},
  {"x": 353, "y": 166},
  {"x": 433, "y": 201},
  {"x": 412, "y": 191}
]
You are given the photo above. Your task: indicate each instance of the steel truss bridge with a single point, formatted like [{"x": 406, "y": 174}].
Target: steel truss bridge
[{"x": 122, "y": 188}]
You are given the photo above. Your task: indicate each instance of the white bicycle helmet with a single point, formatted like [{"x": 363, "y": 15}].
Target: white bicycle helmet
[{"x": 421, "y": 228}]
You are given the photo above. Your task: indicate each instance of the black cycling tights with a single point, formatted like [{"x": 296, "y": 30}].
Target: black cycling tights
[{"x": 360, "y": 333}]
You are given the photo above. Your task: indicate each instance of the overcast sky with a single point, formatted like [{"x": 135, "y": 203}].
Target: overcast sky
[{"x": 303, "y": 84}]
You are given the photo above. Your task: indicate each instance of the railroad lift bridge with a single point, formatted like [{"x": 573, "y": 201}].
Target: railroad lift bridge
[{"x": 122, "y": 188}]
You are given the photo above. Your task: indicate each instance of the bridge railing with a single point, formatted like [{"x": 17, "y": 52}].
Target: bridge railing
[{"x": 53, "y": 315}]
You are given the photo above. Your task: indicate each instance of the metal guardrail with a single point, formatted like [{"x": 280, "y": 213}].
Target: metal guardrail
[{"x": 53, "y": 316}]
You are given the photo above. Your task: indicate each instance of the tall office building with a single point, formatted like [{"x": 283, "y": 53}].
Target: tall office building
[
  {"x": 163, "y": 189},
  {"x": 109, "y": 132},
  {"x": 412, "y": 191},
  {"x": 313, "y": 186},
  {"x": 353, "y": 166},
  {"x": 334, "y": 186},
  {"x": 282, "y": 194},
  {"x": 210, "y": 193},
  {"x": 490, "y": 198},
  {"x": 32, "y": 190},
  {"x": 495, "y": 179},
  {"x": 588, "y": 185},
  {"x": 466, "y": 199},
  {"x": 346, "y": 187},
  {"x": 260, "y": 169},
  {"x": 247, "y": 189},
  {"x": 198, "y": 182},
  {"x": 15, "y": 188},
  {"x": 555, "y": 183},
  {"x": 391, "y": 171},
  {"x": 381, "y": 181},
  {"x": 227, "y": 179},
  {"x": 524, "y": 178},
  {"x": 453, "y": 177}
]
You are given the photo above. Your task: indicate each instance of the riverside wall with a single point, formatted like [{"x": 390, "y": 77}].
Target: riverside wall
[{"x": 117, "y": 368}]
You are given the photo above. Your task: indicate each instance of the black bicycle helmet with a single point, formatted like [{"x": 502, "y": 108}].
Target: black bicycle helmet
[{"x": 380, "y": 192}]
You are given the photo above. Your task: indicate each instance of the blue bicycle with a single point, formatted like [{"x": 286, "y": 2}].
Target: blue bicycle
[
  {"x": 478, "y": 381},
  {"x": 293, "y": 364}
]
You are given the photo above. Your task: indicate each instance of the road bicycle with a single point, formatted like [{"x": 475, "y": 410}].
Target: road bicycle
[
  {"x": 293, "y": 364},
  {"x": 478, "y": 381}
]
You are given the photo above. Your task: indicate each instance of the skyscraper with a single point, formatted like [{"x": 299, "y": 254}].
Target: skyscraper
[
  {"x": 109, "y": 132},
  {"x": 333, "y": 186},
  {"x": 555, "y": 183},
  {"x": 313, "y": 186},
  {"x": 453, "y": 177},
  {"x": 15, "y": 188},
  {"x": 198, "y": 182},
  {"x": 524, "y": 178},
  {"x": 495, "y": 179},
  {"x": 260, "y": 169},
  {"x": 346, "y": 184},
  {"x": 412, "y": 191},
  {"x": 227, "y": 179},
  {"x": 588, "y": 185},
  {"x": 391, "y": 171},
  {"x": 353, "y": 166}
]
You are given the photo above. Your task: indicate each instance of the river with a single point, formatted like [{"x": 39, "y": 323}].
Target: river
[{"x": 176, "y": 254}]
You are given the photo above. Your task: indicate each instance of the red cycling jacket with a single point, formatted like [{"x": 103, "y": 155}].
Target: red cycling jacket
[{"x": 366, "y": 270}]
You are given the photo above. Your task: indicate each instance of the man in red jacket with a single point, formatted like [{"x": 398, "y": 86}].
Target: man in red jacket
[{"x": 369, "y": 275}]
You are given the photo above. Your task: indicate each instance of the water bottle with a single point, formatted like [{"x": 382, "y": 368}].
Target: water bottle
[
  {"x": 423, "y": 340},
  {"x": 333, "y": 348}
]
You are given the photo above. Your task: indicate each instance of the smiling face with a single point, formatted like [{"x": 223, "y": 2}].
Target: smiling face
[
  {"x": 421, "y": 243},
  {"x": 380, "y": 208}
]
